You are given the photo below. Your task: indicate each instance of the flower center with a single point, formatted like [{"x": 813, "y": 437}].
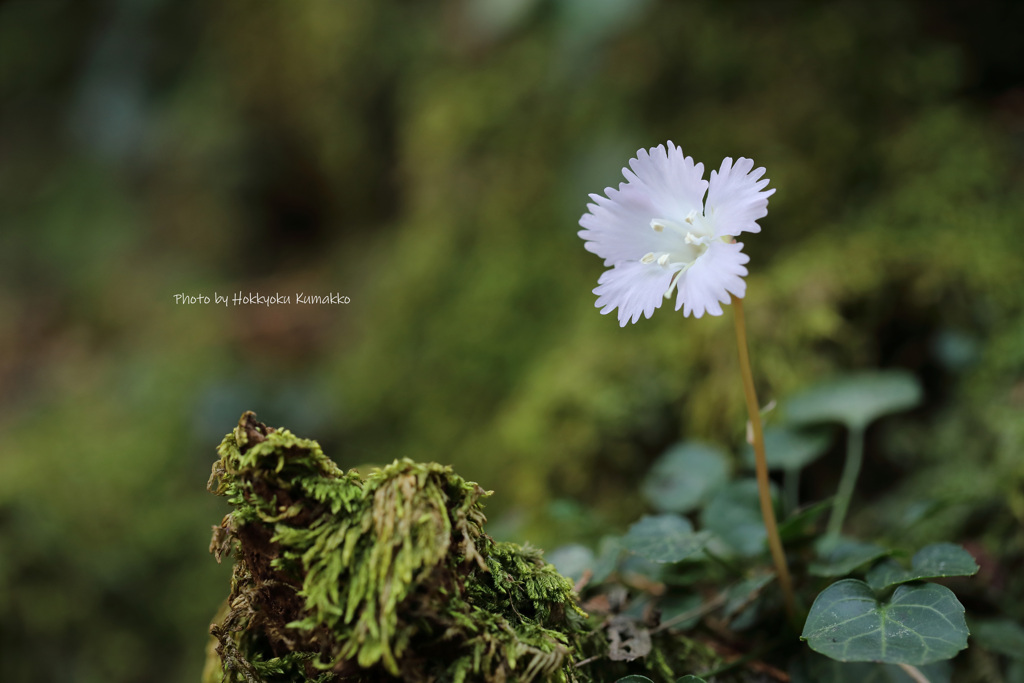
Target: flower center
[{"x": 692, "y": 236}]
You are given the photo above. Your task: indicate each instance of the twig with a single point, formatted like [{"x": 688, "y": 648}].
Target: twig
[
  {"x": 709, "y": 606},
  {"x": 914, "y": 673}
]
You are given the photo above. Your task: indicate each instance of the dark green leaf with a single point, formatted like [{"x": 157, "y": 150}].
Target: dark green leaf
[
  {"x": 744, "y": 593},
  {"x": 840, "y": 557},
  {"x": 674, "y": 606},
  {"x": 683, "y": 478},
  {"x": 734, "y": 515},
  {"x": 745, "y": 602},
  {"x": 664, "y": 538},
  {"x": 919, "y": 624},
  {"x": 801, "y": 522},
  {"x": 790, "y": 449},
  {"x": 690, "y": 679},
  {"x": 634, "y": 679},
  {"x": 855, "y": 400},
  {"x": 999, "y": 635},
  {"x": 931, "y": 562}
]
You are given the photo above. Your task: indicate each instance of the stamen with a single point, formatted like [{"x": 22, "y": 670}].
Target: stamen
[
  {"x": 672, "y": 285},
  {"x": 657, "y": 225},
  {"x": 647, "y": 258},
  {"x": 663, "y": 259}
]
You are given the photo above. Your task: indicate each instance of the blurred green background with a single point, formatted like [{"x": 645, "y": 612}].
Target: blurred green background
[{"x": 430, "y": 160}]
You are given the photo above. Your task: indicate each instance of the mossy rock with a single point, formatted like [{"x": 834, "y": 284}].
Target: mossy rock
[{"x": 341, "y": 577}]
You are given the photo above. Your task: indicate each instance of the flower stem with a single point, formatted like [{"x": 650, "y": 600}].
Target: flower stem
[
  {"x": 851, "y": 470},
  {"x": 761, "y": 465}
]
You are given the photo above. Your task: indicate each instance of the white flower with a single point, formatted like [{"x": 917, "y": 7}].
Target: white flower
[{"x": 660, "y": 236}]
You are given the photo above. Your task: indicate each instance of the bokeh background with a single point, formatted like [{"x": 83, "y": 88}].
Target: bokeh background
[{"x": 430, "y": 161}]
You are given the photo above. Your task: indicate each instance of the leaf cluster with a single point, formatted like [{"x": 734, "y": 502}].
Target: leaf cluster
[{"x": 701, "y": 564}]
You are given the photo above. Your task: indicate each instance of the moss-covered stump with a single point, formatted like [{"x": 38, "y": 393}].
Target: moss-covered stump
[{"x": 340, "y": 577}]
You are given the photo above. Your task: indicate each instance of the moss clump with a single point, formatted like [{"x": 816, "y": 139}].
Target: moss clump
[{"x": 389, "y": 576}]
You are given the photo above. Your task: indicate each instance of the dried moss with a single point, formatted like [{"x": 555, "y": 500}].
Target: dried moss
[{"x": 389, "y": 576}]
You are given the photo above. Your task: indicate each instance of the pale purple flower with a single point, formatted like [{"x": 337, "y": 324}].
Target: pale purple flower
[{"x": 660, "y": 236}]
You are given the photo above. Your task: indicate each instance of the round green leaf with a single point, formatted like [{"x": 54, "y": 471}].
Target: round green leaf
[
  {"x": 685, "y": 476},
  {"x": 609, "y": 549},
  {"x": 634, "y": 679},
  {"x": 572, "y": 560},
  {"x": 664, "y": 538},
  {"x": 811, "y": 667},
  {"x": 638, "y": 565},
  {"x": 919, "y": 624},
  {"x": 842, "y": 556},
  {"x": 931, "y": 562},
  {"x": 855, "y": 400},
  {"x": 690, "y": 679},
  {"x": 734, "y": 515},
  {"x": 789, "y": 449}
]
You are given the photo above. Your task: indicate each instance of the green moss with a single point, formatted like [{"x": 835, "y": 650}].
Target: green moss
[{"x": 389, "y": 576}]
